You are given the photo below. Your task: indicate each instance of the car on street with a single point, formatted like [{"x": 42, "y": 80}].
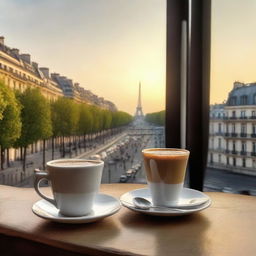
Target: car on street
[{"x": 123, "y": 178}]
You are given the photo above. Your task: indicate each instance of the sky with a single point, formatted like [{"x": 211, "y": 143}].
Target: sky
[
  {"x": 233, "y": 46},
  {"x": 109, "y": 46}
]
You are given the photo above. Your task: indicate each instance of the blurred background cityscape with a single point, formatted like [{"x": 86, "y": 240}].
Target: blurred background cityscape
[{"x": 109, "y": 114}]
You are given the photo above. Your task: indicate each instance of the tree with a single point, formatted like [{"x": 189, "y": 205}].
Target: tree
[
  {"x": 157, "y": 118},
  {"x": 85, "y": 122},
  {"x": 35, "y": 116},
  {"x": 3, "y": 102},
  {"x": 10, "y": 124},
  {"x": 107, "y": 120},
  {"x": 65, "y": 116}
]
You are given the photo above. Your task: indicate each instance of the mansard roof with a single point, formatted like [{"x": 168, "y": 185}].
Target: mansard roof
[{"x": 242, "y": 94}]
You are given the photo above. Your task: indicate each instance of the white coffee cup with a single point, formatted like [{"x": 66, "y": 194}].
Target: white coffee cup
[{"x": 74, "y": 182}]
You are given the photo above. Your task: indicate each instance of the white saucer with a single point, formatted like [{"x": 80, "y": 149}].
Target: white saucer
[
  {"x": 104, "y": 206},
  {"x": 186, "y": 194}
]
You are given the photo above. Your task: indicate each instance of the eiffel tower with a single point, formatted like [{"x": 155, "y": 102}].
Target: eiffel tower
[{"x": 139, "y": 113}]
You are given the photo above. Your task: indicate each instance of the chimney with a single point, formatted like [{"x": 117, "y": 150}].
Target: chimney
[
  {"x": 45, "y": 71},
  {"x": 16, "y": 51},
  {"x": 35, "y": 65},
  {"x": 25, "y": 57},
  {"x": 1, "y": 39},
  {"x": 238, "y": 84}
]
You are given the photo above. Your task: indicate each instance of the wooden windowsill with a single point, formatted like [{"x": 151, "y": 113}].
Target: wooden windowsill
[{"x": 228, "y": 227}]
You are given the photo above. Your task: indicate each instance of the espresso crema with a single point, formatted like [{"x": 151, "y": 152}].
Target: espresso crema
[
  {"x": 165, "y": 165},
  {"x": 73, "y": 163}
]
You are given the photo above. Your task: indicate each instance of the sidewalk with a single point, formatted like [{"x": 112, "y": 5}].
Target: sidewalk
[{"x": 14, "y": 175}]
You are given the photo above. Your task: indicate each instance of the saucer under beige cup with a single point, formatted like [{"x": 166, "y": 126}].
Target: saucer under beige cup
[
  {"x": 165, "y": 170},
  {"x": 74, "y": 182}
]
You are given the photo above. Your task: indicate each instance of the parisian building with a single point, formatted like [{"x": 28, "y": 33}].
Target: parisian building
[
  {"x": 232, "y": 134},
  {"x": 18, "y": 72}
]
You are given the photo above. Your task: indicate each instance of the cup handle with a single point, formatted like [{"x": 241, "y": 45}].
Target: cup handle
[{"x": 40, "y": 175}]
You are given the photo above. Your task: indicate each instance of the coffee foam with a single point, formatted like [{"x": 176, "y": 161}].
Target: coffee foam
[
  {"x": 166, "y": 152},
  {"x": 70, "y": 163}
]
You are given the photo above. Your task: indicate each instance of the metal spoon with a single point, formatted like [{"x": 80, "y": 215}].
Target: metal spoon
[{"x": 144, "y": 204}]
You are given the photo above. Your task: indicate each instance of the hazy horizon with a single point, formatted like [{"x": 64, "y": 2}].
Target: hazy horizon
[{"x": 111, "y": 46}]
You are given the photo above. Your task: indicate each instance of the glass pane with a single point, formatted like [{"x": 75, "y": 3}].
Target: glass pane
[
  {"x": 231, "y": 157},
  {"x": 109, "y": 58}
]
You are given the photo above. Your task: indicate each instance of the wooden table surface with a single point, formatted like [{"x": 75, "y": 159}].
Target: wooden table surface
[{"x": 228, "y": 227}]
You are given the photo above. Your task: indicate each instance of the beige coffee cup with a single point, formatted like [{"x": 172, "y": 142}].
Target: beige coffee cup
[
  {"x": 74, "y": 183},
  {"x": 165, "y": 170}
]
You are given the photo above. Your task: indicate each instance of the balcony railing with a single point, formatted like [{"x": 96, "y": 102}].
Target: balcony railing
[
  {"x": 227, "y": 151},
  {"x": 253, "y": 153},
  {"x": 243, "y": 135},
  {"x": 234, "y": 152},
  {"x": 219, "y": 133},
  {"x": 243, "y": 153},
  {"x": 233, "y": 134},
  {"x": 243, "y": 117},
  {"x": 227, "y": 134},
  {"x": 233, "y": 118},
  {"x": 253, "y": 135},
  {"x": 252, "y": 117}
]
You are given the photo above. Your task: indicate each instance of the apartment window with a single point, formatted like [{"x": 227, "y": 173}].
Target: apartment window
[
  {"x": 227, "y": 145},
  {"x": 242, "y": 114},
  {"x": 254, "y": 147},
  {"x": 243, "y": 146},
  {"x": 254, "y": 99},
  {"x": 233, "y": 101},
  {"x": 233, "y": 128},
  {"x": 212, "y": 143},
  {"x": 254, "y": 129},
  {"x": 234, "y": 146},
  {"x": 244, "y": 162},
  {"x": 226, "y": 128},
  {"x": 219, "y": 127},
  {"x": 219, "y": 143},
  {"x": 233, "y": 113},
  {"x": 219, "y": 158},
  {"x": 243, "y": 128},
  {"x": 211, "y": 128},
  {"x": 227, "y": 160},
  {"x": 253, "y": 113},
  {"x": 243, "y": 100},
  {"x": 234, "y": 161}
]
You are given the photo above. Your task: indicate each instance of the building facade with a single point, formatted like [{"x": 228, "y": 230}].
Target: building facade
[
  {"x": 232, "y": 139},
  {"x": 19, "y": 72}
]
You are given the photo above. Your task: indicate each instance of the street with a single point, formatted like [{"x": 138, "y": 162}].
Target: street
[{"x": 123, "y": 162}]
